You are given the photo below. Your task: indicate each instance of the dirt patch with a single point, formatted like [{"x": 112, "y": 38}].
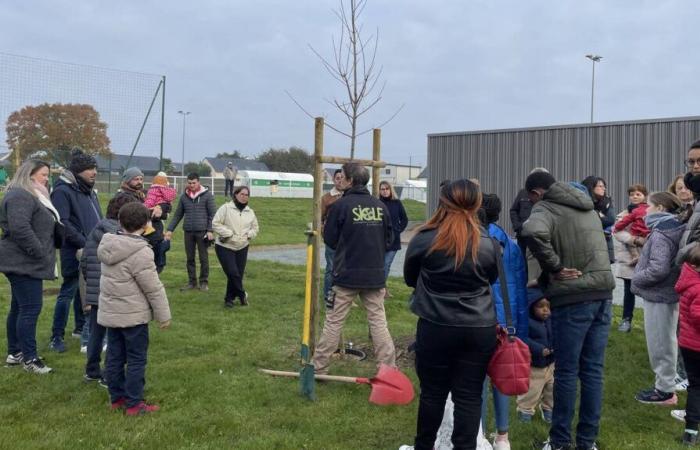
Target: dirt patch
[{"x": 51, "y": 291}]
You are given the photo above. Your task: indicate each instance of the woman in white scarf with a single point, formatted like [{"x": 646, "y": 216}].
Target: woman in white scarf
[{"x": 29, "y": 224}]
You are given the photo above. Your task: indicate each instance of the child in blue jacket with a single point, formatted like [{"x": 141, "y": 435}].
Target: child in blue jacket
[{"x": 542, "y": 366}]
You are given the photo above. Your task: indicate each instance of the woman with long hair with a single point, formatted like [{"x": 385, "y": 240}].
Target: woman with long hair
[
  {"x": 451, "y": 264},
  {"x": 602, "y": 204},
  {"x": 29, "y": 223},
  {"x": 680, "y": 190},
  {"x": 235, "y": 225},
  {"x": 399, "y": 222}
]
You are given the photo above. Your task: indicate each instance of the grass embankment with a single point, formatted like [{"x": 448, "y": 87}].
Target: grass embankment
[{"x": 203, "y": 372}]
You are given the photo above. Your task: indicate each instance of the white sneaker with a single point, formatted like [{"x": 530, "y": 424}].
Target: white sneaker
[
  {"x": 83, "y": 349},
  {"x": 37, "y": 366},
  {"x": 501, "y": 445},
  {"x": 14, "y": 360},
  {"x": 678, "y": 414},
  {"x": 681, "y": 384},
  {"x": 406, "y": 447}
]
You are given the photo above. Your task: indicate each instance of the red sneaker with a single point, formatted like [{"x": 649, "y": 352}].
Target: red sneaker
[
  {"x": 141, "y": 408},
  {"x": 120, "y": 403}
]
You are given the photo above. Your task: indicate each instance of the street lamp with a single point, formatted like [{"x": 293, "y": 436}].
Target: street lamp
[
  {"x": 184, "y": 118},
  {"x": 594, "y": 59}
]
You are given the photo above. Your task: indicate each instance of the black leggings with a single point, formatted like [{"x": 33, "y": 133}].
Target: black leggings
[
  {"x": 451, "y": 359},
  {"x": 233, "y": 262},
  {"x": 628, "y": 301},
  {"x": 692, "y": 406}
]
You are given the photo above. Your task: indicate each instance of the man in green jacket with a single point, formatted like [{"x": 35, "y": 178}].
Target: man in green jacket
[{"x": 563, "y": 233}]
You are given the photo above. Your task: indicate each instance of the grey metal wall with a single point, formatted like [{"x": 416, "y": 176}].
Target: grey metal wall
[{"x": 651, "y": 152}]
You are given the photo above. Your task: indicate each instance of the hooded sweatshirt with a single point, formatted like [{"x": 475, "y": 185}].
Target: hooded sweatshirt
[
  {"x": 562, "y": 231},
  {"x": 130, "y": 291},
  {"x": 656, "y": 272}
]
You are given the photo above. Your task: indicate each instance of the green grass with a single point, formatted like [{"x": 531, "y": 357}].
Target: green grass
[{"x": 203, "y": 373}]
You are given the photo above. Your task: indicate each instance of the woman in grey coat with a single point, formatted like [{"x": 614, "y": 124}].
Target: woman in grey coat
[
  {"x": 654, "y": 279},
  {"x": 27, "y": 257}
]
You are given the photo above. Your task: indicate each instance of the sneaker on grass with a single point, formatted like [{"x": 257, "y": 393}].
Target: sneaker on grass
[
  {"x": 681, "y": 384},
  {"x": 57, "y": 345},
  {"x": 14, "y": 359},
  {"x": 524, "y": 417},
  {"x": 141, "y": 409},
  {"x": 625, "y": 326},
  {"x": 546, "y": 415},
  {"x": 690, "y": 438},
  {"x": 36, "y": 365},
  {"x": 655, "y": 397},
  {"x": 83, "y": 349},
  {"x": 678, "y": 414}
]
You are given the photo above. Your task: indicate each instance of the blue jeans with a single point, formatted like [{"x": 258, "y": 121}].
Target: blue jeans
[
  {"x": 24, "y": 314},
  {"x": 328, "y": 275},
  {"x": 94, "y": 345},
  {"x": 125, "y": 368},
  {"x": 580, "y": 337},
  {"x": 501, "y": 407},
  {"x": 69, "y": 292},
  {"x": 388, "y": 259}
]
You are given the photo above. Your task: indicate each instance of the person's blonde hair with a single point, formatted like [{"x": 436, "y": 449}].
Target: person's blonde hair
[
  {"x": 392, "y": 192},
  {"x": 22, "y": 178}
]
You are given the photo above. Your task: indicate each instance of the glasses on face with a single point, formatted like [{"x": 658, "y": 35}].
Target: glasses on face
[{"x": 690, "y": 162}]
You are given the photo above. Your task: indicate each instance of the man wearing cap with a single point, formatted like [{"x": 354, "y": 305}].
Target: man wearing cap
[
  {"x": 132, "y": 185},
  {"x": 230, "y": 177},
  {"x": 76, "y": 202}
]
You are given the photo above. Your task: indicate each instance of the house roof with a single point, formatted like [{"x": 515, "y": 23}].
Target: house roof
[
  {"x": 219, "y": 164},
  {"x": 424, "y": 173},
  {"x": 119, "y": 163}
]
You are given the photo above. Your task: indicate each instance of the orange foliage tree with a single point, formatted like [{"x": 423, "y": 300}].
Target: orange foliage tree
[{"x": 55, "y": 129}]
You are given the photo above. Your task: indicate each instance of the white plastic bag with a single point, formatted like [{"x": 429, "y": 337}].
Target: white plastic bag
[{"x": 444, "y": 436}]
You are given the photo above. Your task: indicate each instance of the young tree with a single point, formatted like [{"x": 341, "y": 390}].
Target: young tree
[
  {"x": 55, "y": 129},
  {"x": 354, "y": 66},
  {"x": 200, "y": 168}
]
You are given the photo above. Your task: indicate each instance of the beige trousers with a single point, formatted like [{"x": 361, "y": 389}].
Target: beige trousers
[
  {"x": 541, "y": 388},
  {"x": 373, "y": 302}
]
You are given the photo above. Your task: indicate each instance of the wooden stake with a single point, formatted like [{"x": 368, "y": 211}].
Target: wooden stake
[
  {"x": 376, "y": 147},
  {"x": 318, "y": 238}
]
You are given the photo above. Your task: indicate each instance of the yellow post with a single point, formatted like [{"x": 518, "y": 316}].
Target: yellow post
[
  {"x": 376, "y": 147},
  {"x": 317, "y": 239}
]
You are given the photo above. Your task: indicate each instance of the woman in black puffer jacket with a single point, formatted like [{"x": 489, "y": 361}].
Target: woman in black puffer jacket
[
  {"x": 92, "y": 270},
  {"x": 27, "y": 257},
  {"x": 451, "y": 263}
]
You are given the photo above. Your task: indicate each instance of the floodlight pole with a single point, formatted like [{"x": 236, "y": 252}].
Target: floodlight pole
[
  {"x": 184, "y": 120},
  {"x": 594, "y": 59}
]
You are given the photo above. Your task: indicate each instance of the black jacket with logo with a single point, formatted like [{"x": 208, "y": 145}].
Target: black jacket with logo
[{"x": 359, "y": 229}]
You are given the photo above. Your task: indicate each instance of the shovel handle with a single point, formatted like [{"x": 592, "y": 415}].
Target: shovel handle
[{"x": 280, "y": 373}]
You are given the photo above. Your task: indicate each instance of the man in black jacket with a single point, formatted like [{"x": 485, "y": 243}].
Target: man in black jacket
[
  {"x": 358, "y": 228},
  {"x": 76, "y": 202},
  {"x": 198, "y": 207},
  {"x": 520, "y": 212}
]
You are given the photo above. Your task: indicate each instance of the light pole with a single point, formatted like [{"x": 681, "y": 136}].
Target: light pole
[
  {"x": 184, "y": 119},
  {"x": 594, "y": 59}
]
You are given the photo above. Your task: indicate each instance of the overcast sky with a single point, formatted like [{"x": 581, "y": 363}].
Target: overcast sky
[{"x": 456, "y": 65}]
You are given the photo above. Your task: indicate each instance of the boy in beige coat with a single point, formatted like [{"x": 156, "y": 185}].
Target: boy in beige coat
[{"x": 131, "y": 295}]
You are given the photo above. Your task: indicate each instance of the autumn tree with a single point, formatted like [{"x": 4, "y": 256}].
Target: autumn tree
[
  {"x": 55, "y": 129},
  {"x": 294, "y": 159}
]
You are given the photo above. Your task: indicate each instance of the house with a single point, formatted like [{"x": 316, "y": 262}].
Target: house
[
  {"x": 149, "y": 165},
  {"x": 423, "y": 175},
  {"x": 398, "y": 173},
  {"x": 219, "y": 164}
]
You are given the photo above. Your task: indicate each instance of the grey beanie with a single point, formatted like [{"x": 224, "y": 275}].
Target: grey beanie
[{"x": 131, "y": 172}]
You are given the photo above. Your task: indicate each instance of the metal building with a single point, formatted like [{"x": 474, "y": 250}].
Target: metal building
[{"x": 651, "y": 152}]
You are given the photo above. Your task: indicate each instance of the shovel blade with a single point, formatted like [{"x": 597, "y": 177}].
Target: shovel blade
[{"x": 390, "y": 387}]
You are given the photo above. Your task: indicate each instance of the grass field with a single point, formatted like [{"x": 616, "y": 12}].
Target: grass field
[{"x": 203, "y": 373}]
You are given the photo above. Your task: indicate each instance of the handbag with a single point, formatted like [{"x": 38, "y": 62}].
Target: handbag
[{"x": 509, "y": 368}]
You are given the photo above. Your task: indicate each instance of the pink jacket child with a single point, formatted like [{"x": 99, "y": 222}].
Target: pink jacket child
[{"x": 159, "y": 192}]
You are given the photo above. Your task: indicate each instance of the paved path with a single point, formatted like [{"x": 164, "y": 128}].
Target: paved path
[{"x": 297, "y": 256}]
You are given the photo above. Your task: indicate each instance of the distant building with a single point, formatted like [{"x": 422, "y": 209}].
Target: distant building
[
  {"x": 423, "y": 175},
  {"x": 149, "y": 165},
  {"x": 5, "y": 159},
  {"x": 398, "y": 173},
  {"x": 219, "y": 164}
]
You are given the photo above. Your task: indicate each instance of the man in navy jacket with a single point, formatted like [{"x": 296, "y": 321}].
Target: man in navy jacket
[
  {"x": 359, "y": 229},
  {"x": 76, "y": 202}
]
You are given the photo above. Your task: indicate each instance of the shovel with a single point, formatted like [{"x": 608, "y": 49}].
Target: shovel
[{"x": 389, "y": 386}]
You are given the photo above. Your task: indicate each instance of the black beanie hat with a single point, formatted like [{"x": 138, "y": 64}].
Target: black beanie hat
[
  {"x": 81, "y": 161},
  {"x": 695, "y": 144},
  {"x": 492, "y": 207}
]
